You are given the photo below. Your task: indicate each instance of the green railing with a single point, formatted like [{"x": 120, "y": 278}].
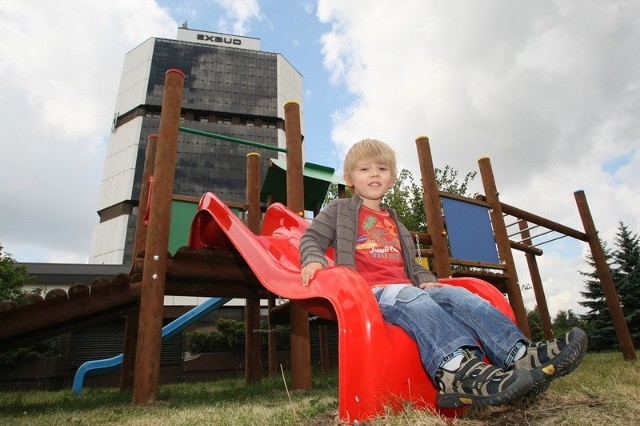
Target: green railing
[{"x": 231, "y": 139}]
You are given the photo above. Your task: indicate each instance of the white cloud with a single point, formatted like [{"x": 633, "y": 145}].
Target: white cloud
[
  {"x": 547, "y": 90},
  {"x": 240, "y": 12},
  {"x": 60, "y": 65}
]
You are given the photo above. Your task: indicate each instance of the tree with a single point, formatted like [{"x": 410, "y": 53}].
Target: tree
[
  {"x": 535, "y": 325},
  {"x": 627, "y": 278},
  {"x": 597, "y": 320},
  {"x": 405, "y": 197},
  {"x": 565, "y": 321},
  {"x": 447, "y": 181},
  {"x": 13, "y": 277},
  {"x": 332, "y": 193},
  {"x": 624, "y": 263}
]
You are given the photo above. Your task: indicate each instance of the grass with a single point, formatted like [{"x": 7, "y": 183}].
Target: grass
[{"x": 603, "y": 390}]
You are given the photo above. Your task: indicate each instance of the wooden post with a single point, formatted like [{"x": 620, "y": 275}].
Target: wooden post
[
  {"x": 342, "y": 191},
  {"x": 272, "y": 338},
  {"x": 253, "y": 192},
  {"x": 432, "y": 209},
  {"x": 323, "y": 334},
  {"x": 536, "y": 281},
  {"x": 127, "y": 370},
  {"x": 147, "y": 376},
  {"x": 253, "y": 368},
  {"x": 300, "y": 348},
  {"x": 504, "y": 246},
  {"x": 602, "y": 268},
  {"x": 323, "y": 337},
  {"x": 140, "y": 239}
]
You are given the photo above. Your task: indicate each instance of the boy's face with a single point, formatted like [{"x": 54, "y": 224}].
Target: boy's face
[{"x": 370, "y": 181}]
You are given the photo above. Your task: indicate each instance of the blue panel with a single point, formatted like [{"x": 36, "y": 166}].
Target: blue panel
[{"x": 470, "y": 233}]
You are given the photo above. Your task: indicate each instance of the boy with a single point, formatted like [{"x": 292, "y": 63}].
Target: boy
[{"x": 453, "y": 328}]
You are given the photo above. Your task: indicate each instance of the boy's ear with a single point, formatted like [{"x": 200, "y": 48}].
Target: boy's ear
[{"x": 347, "y": 179}]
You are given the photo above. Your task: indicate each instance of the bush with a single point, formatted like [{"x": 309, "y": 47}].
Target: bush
[
  {"x": 47, "y": 347},
  {"x": 229, "y": 337}
]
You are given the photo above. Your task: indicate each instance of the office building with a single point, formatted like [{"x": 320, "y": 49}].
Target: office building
[{"x": 231, "y": 88}]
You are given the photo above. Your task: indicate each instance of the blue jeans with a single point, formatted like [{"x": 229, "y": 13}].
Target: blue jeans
[{"x": 444, "y": 319}]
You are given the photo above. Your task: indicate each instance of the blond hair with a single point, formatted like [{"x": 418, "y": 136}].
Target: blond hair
[{"x": 369, "y": 150}]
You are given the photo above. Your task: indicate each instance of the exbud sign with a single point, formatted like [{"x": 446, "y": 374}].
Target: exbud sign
[
  {"x": 210, "y": 38},
  {"x": 218, "y": 39}
]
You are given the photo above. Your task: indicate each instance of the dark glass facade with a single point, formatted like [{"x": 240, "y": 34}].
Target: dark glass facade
[{"x": 227, "y": 91}]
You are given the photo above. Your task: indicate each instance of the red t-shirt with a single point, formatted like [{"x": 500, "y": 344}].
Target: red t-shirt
[{"x": 378, "y": 252}]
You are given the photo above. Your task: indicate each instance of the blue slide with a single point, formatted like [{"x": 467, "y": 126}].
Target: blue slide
[{"x": 107, "y": 365}]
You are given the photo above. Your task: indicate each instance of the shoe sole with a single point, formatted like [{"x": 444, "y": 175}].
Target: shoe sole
[
  {"x": 519, "y": 388},
  {"x": 561, "y": 365}
]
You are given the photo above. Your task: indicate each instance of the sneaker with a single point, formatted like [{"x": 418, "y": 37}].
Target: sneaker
[
  {"x": 477, "y": 383},
  {"x": 554, "y": 358}
]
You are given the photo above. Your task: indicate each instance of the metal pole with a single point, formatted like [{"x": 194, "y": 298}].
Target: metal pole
[{"x": 231, "y": 139}]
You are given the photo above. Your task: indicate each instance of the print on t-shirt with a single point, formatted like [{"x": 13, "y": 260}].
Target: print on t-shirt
[
  {"x": 378, "y": 237},
  {"x": 378, "y": 253}
]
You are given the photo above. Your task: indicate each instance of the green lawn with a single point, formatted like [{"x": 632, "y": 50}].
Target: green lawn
[{"x": 604, "y": 390}]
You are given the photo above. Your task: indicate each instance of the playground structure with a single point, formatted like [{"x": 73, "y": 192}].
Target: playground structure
[
  {"x": 221, "y": 263},
  {"x": 370, "y": 379},
  {"x": 146, "y": 390}
]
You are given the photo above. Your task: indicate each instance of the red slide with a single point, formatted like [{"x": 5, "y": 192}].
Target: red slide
[{"x": 379, "y": 365}]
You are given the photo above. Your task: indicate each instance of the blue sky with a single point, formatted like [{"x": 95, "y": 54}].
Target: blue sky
[
  {"x": 292, "y": 29},
  {"x": 548, "y": 90}
]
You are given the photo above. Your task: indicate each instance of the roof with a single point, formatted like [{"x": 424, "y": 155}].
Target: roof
[
  {"x": 72, "y": 273},
  {"x": 316, "y": 181}
]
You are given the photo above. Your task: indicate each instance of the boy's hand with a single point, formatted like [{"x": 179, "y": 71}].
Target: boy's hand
[
  {"x": 308, "y": 271},
  {"x": 431, "y": 284}
]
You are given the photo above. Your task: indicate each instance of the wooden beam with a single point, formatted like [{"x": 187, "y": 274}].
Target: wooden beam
[
  {"x": 606, "y": 280},
  {"x": 252, "y": 359},
  {"x": 29, "y": 324},
  {"x": 140, "y": 241},
  {"x": 300, "y": 347},
  {"x": 433, "y": 210},
  {"x": 503, "y": 244},
  {"x": 536, "y": 282},
  {"x": 539, "y": 220},
  {"x": 146, "y": 381}
]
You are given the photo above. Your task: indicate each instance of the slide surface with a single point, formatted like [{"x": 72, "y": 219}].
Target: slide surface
[
  {"x": 107, "y": 365},
  {"x": 372, "y": 378}
]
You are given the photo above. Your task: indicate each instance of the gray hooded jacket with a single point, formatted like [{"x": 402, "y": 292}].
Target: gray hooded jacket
[{"x": 337, "y": 224}]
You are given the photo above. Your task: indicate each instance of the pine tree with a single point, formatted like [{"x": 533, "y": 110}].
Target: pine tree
[
  {"x": 627, "y": 260},
  {"x": 597, "y": 321}
]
